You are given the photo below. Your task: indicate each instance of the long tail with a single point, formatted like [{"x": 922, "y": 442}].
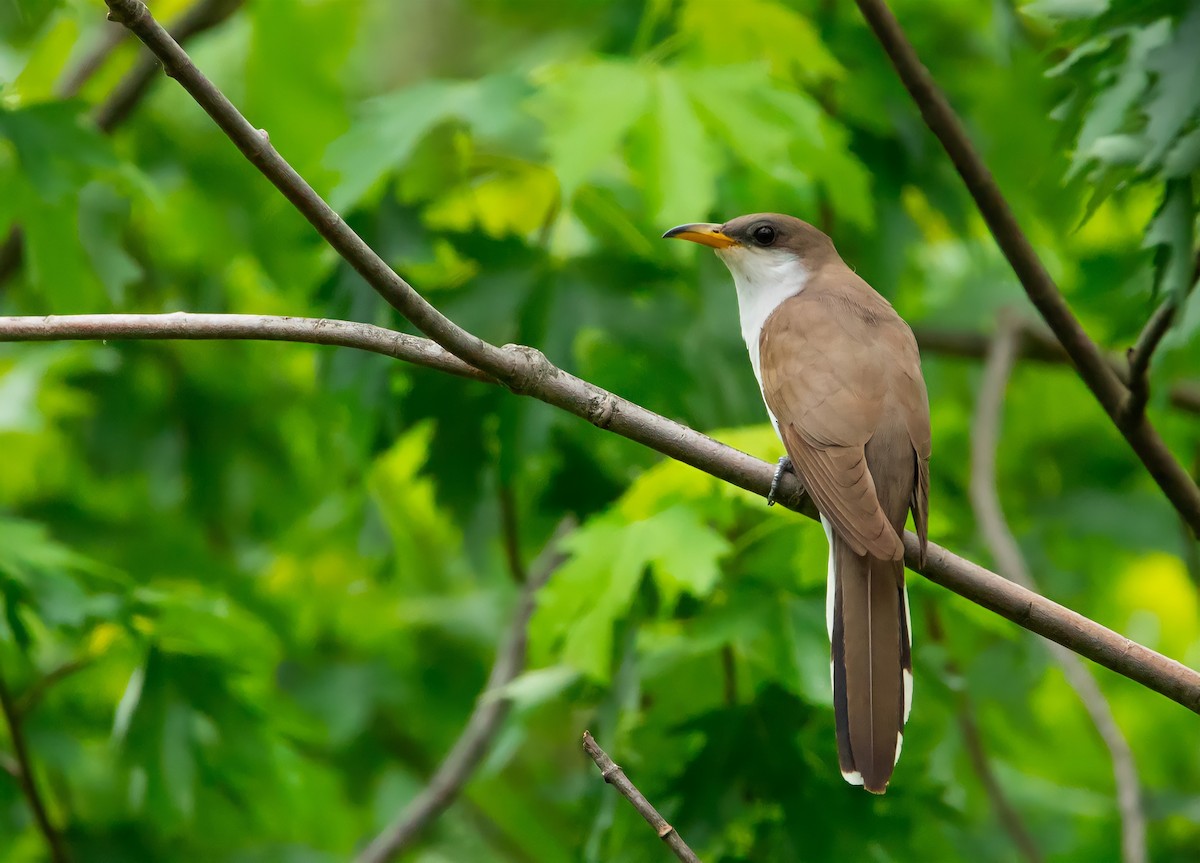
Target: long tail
[{"x": 871, "y": 662}]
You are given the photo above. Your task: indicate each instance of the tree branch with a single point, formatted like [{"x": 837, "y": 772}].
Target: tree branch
[
  {"x": 1139, "y": 361},
  {"x": 985, "y": 499},
  {"x": 23, "y": 765},
  {"x": 205, "y": 327},
  {"x": 1039, "y": 346},
  {"x": 526, "y": 371},
  {"x": 616, "y": 777},
  {"x": 1107, "y": 387},
  {"x": 490, "y": 709},
  {"x": 202, "y": 16},
  {"x": 1010, "y": 819}
]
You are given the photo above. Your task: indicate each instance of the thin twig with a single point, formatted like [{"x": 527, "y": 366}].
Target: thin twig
[
  {"x": 25, "y": 777},
  {"x": 1010, "y": 819},
  {"x": 510, "y": 530},
  {"x": 1139, "y": 361},
  {"x": 90, "y": 63},
  {"x": 203, "y": 16},
  {"x": 476, "y": 738},
  {"x": 526, "y": 371},
  {"x": 31, "y": 697},
  {"x": 1039, "y": 345},
  {"x": 1091, "y": 364},
  {"x": 204, "y": 327},
  {"x": 985, "y": 500},
  {"x": 616, "y": 777}
]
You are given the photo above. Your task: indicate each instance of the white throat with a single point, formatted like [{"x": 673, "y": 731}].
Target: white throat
[{"x": 764, "y": 278}]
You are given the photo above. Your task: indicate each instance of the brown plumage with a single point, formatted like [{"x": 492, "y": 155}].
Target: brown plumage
[{"x": 841, "y": 377}]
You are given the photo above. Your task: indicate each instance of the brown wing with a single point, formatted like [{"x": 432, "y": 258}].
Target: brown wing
[{"x": 830, "y": 379}]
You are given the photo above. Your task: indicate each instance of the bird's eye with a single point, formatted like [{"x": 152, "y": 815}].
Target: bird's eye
[{"x": 764, "y": 235}]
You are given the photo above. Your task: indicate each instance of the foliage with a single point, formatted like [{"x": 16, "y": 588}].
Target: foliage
[{"x": 251, "y": 591}]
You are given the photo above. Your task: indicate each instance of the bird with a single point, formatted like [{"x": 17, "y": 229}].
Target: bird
[{"x": 840, "y": 375}]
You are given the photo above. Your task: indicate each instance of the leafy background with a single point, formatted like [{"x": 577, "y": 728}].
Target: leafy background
[{"x": 251, "y": 591}]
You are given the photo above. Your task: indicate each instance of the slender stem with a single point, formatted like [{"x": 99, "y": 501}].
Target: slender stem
[
  {"x": 1091, "y": 364},
  {"x": 616, "y": 777},
  {"x": 23, "y": 765},
  {"x": 203, "y": 327},
  {"x": 985, "y": 498},
  {"x": 1010, "y": 819},
  {"x": 1041, "y": 346},
  {"x": 476, "y": 738},
  {"x": 1139, "y": 361}
]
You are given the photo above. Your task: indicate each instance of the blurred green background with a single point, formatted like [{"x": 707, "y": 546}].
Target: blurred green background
[{"x": 251, "y": 592}]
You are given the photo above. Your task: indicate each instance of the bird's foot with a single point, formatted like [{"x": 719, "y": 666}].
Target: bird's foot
[{"x": 784, "y": 466}]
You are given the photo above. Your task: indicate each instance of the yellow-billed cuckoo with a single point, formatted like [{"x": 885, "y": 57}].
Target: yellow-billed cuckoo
[{"x": 841, "y": 378}]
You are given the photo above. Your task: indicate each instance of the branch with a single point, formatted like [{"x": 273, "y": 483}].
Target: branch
[
  {"x": 526, "y": 371},
  {"x": 31, "y": 697},
  {"x": 490, "y": 709},
  {"x": 204, "y": 15},
  {"x": 1039, "y": 346},
  {"x": 1091, "y": 364},
  {"x": 204, "y": 327},
  {"x": 1010, "y": 561},
  {"x": 1010, "y": 819},
  {"x": 23, "y": 766},
  {"x": 1139, "y": 361},
  {"x": 616, "y": 777}
]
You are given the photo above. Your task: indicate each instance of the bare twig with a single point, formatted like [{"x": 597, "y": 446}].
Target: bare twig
[
  {"x": 616, "y": 777},
  {"x": 1139, "y": 361},
  {"x": 24, "y": 773},
  {"x": 490, "y": 709},
  {"x": 1087, "y": 358},
  {"x": 510, "y": 530},
  {"x": 90, "y": 63},
  {"x": 1039, "y": 345},
  {"x": 203, "y": 16},
  {"x": 31, "y": 697},
  {"x": 1010, "y": 819},
  {"x": 526, "y": 371},
  {"x": 985, "y": 499},
  {"x": 202, "y": 327}
]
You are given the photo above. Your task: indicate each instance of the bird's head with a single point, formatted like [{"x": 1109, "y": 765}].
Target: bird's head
[{"x": 759, "y": 244}]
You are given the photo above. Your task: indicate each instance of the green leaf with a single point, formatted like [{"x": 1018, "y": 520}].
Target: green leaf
[
  {"x": 681, "y": 184},
  {"x": 383, "y": 139},
  {"x": 587, "y": 109},
  {"x": 57, "y": 148},
  {"x": 1175, "y": 96},
  {"x": 102, "y": 220},
  {"x": 1171, "y": 235},
  {"x": 1067, "y": 10}
]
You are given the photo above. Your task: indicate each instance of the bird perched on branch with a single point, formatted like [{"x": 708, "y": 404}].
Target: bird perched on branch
[{"x": 841, "y": 377}]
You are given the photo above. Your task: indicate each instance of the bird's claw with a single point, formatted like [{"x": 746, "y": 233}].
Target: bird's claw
[{"x": 784, "y": 465}]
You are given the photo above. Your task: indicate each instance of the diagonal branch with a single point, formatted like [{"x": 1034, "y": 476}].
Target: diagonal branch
[
  {"x": 526, "y": 371},
  {"x": 616, "y": 777},
  {"x": 985, "y": 499},
  {"x": 205, "y": 15},
  {"x": 22, "y": 767},
  {"x": 1091, "y": 364},
  {"x": 1023, "y": 607},
  {"x": 1139, "y": 360},
  {"x": 490, "y": 709}
]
